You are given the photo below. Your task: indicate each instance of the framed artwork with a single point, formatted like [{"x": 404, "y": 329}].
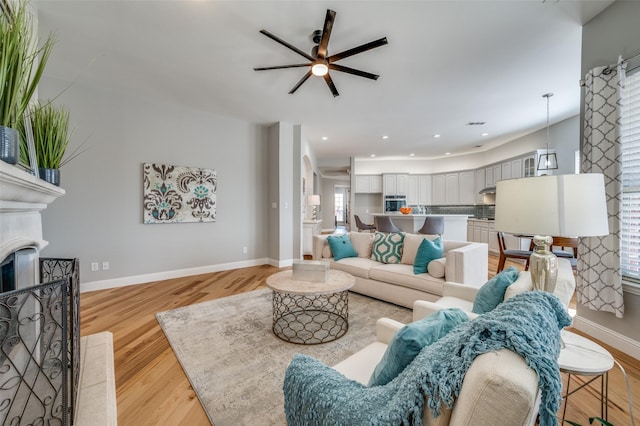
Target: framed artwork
[{"x": 175, "y": 194}]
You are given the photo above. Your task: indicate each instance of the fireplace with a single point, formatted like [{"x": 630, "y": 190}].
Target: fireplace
[{"x": 39, "y": 309}]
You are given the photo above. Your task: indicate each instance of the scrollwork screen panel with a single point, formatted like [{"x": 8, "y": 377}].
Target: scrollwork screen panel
[{"x": 175, "y": 194}]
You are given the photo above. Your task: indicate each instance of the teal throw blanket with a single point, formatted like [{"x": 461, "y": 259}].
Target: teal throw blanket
[{"x": 529, "y": 324}]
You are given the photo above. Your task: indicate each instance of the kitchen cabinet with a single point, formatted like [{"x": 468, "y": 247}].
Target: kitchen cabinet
[
  {"x": 412, "y": 190},
  {"x": 369, "y": 184},
  {"x": 424, "y": 190},
  {"x": 480, "y": 179},
  {"x": 516, "y": 169},
  {"x": 452, "y": 188},
  {"x": 395, "y": 184},
  {"x": 438, "y": 189},
  {"x": 466, "y": 187},
  {"x": 530, "y": 164},
  {"x": 488, "y": 177},
  {"x": 309, "y": 229}
]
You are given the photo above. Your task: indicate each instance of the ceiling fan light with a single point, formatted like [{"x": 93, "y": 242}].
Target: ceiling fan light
[{"x": 319, "y": 69}]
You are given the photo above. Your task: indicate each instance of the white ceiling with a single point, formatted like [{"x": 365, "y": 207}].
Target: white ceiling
[{"x": 447, "y": 63}]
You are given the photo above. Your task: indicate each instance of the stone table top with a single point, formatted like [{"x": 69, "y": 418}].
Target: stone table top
[
  {"x": 583, "y": 356},
  {"x": 337, "y": 281}
]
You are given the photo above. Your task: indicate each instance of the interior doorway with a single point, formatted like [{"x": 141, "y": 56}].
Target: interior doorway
[{"x": 342, "y": 207}]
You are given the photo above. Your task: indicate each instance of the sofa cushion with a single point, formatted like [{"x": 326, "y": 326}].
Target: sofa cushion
[
  {"x": 403, "y": 275},
  {"x": 387, "y": 248},
  {"x": 356, "y": 266},
  {"x": 341, "y": 247},
  {"x": 428, "y": 251},
  {"x": 410, "y": 340},
  {"x": 491, "y": 294},
  {"x": 410, "y": 246},
  {"x": 362, "y": 242},
  {"x": 436, "y": 267}
]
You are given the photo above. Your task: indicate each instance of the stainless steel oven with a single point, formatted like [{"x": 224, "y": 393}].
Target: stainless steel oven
[{"x": 392, "y": 203}]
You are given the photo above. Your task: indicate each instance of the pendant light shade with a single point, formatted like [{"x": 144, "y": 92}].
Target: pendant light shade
[{"x": 547, "y": 161}]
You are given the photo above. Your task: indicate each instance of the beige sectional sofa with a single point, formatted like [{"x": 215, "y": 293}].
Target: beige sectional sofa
[{"x": 463, "y": 262}]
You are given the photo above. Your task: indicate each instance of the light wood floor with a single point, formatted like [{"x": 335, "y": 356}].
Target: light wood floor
[{"x": 153, "y": 390}]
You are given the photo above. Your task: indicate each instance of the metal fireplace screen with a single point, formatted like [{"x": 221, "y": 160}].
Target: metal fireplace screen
[{"x": 39, "y": 352}]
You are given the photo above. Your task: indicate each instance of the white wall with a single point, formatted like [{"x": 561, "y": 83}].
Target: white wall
[{"x": 100, "y": 217}]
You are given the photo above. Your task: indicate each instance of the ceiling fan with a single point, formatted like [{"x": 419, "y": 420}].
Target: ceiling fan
[{"x": 321, "y": 63}]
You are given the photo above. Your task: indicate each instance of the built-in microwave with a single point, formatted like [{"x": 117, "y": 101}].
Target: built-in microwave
[{"x": 392, "y": 203}]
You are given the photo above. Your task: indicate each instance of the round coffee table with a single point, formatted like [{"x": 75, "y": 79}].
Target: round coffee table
[{"x": 310, "y": 312}]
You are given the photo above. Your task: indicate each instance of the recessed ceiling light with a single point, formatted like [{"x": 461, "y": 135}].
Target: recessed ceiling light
[
  {"x": 412, "y": 155},
  {"x": 385, "y": 137},
  {"x": 436, "y": 135},
  {"x": 324, "y": 138},
  {"x": 373, "y": 155},
  {"x": 485, "y": 134},
  {"x": 447, "y": 153}
]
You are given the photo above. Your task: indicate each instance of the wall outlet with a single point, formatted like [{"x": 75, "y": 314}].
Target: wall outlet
[
  {"x": 94, "y": 266},
  {"x": 105, "y": 266},
  {"x": 244, "y": 250}
]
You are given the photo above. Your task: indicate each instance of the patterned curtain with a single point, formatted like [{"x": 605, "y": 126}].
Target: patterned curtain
[{"x": 599, "y": 283}]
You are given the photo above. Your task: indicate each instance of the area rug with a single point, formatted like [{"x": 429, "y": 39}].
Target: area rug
[{"x": 236, "y": 364}]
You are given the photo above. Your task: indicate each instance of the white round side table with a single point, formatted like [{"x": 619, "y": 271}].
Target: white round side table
[{"x": 583, "y": 357}]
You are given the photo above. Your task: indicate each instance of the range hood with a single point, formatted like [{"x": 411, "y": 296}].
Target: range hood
[{"x": 488, "y": 190}]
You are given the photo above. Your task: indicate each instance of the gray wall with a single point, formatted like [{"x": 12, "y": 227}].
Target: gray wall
[
  {"x": 616, "y": 31},
  {"x": 100, "y": 217}
]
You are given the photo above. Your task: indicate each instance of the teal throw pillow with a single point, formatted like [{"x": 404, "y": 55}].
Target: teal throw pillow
[
  {"x": 341, "y": 247},
  {"x": 409, "y": 341},
  {"x": 491, "y": 294},
  {"x": 427, "y": 251},
  {"x": 387, "y": 248}
]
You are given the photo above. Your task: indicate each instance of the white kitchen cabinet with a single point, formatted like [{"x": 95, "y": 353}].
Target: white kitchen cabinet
[
  {"x": 412, "y": 191},
  {"x": 466, "y": 187},
  {"x": 506, "y": 170},
  {"x": 480, "y": 180},
  {"x": 438, "y": 190},
  {"x": 488, "y": 177},
  {"x": 309, "y": 229},
  {"x": 516, "y": 169},
  {"x": 451, "y": 188},
  {"x": 424, "y": 190},
  {"x": 395, "y": 184},
  {"x": 369, "y": 184},
  {"x": 497, "y": 173}
]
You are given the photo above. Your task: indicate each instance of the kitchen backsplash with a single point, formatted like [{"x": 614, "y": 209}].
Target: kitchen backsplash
[{"x": 479, "y": 211}]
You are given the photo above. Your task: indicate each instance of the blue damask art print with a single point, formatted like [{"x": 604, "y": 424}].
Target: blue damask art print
[{"x": 174, "y": 194}]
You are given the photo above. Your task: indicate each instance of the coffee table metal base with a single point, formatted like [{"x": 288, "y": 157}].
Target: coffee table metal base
[{"x": 310, "y": 319}]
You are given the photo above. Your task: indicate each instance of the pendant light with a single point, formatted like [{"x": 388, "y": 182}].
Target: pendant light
[{"x": 547, "y": 161}]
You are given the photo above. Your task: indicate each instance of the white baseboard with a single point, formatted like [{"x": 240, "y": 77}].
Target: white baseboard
[
  {"x": 166, "y": 275},
  {"x": 619, "y": 341}
]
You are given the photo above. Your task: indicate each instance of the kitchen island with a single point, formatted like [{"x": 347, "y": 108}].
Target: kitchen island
[{"x": 455, "y": 225}]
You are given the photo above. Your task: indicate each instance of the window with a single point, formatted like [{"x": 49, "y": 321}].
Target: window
[{"x": 630, "y": 140}]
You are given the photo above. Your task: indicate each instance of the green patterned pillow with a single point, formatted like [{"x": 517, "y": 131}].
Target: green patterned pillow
[{"x": 387, "y": 248}]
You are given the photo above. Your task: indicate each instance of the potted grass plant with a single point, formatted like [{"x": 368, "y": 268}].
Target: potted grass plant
[
  {"x": 51, "y": 137},
  {"x": 22, "y": 63}
]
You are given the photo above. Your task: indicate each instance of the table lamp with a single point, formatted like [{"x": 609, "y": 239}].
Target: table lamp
[
  {"x": 545, "y": 206},
  {"x": 314, "y": 201}
]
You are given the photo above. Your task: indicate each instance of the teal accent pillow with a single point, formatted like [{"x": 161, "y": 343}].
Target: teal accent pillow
[
  {"x": 341, "y": 247},
  {"x": 387, "y": 248},
  {"x": 491, "y": 294},
  {"x": 427, "y": 251},
  {"x": 409, "y": 341}
]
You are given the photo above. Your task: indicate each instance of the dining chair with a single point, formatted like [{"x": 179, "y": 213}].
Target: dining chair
[
  {"x": 363, "y": 226},
  {"x": 433, "y": 225},
  {"x": 385, "y": 224},
  {"x": 511, "y": 254},
  {"x": 570, "y": 243}
]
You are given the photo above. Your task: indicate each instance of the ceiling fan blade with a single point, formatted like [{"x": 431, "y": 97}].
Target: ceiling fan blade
[
  {"x": 362, "y": 48},
  {"x": 353, "y": 71},
  {"x": 281, "y": 67},
  {"x": 299, "y": 83},
  {"x": 285, "y": 44},
  {"x": 332, "y": 86},
  {"x": 326, "y": 33}
]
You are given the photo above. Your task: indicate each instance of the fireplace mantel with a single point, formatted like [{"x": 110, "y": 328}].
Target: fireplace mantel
[{"x": 22, "y": 198}]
